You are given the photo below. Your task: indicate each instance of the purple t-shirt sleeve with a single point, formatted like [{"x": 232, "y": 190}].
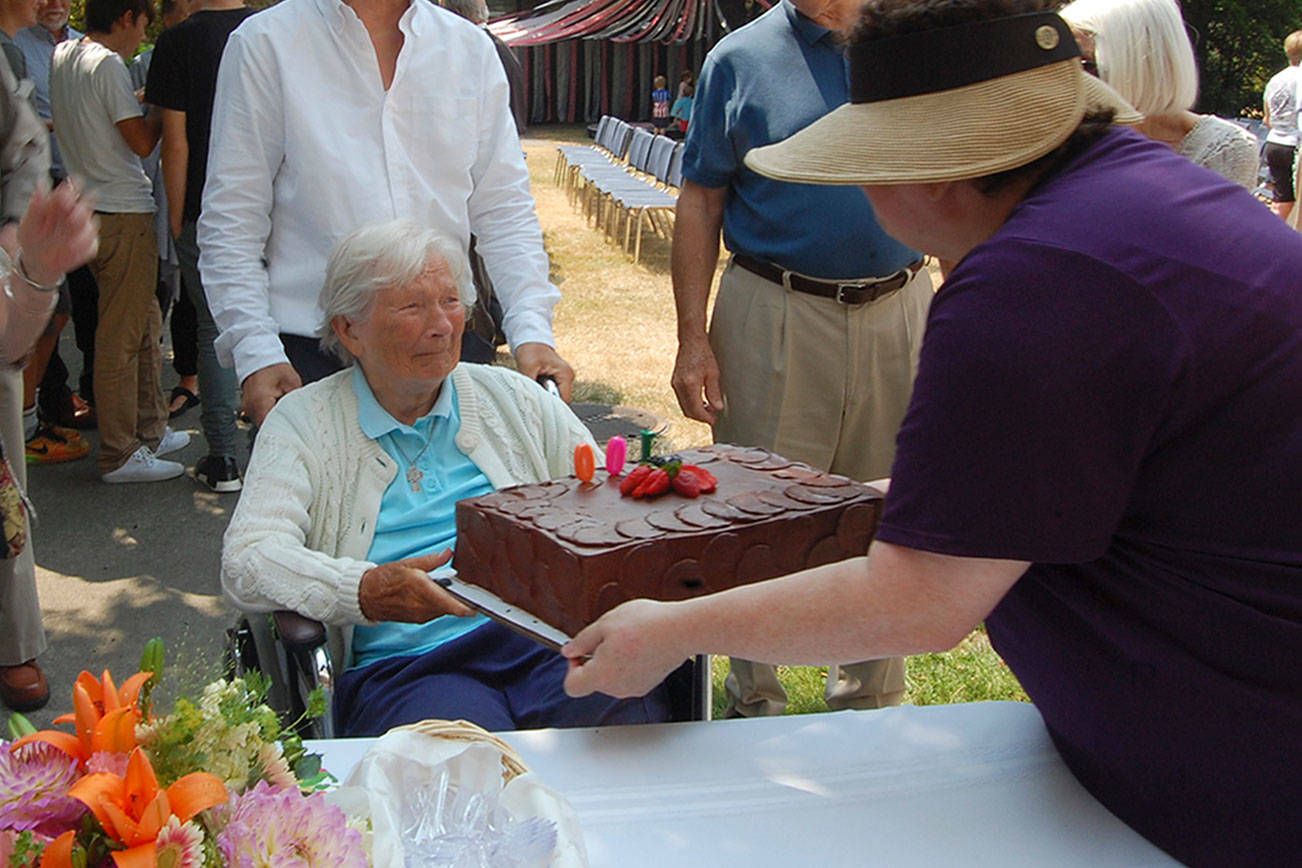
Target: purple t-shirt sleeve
[{"x": 1042, "y": 380}]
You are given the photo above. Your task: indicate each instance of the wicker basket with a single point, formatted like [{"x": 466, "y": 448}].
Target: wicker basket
[{"x": 465, "y": 731}]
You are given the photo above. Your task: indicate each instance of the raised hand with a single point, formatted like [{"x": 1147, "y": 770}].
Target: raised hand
[{"x": 57, "y": 234}]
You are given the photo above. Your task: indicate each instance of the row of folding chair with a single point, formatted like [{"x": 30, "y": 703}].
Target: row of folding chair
[
  {"x": 630, "y": 175},
  {"x": 612, "y": 143}
]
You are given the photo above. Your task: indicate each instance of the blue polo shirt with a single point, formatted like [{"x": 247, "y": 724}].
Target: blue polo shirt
[
  {"x": 759, "y": 85},
  {"x": 414, "y": 523}
]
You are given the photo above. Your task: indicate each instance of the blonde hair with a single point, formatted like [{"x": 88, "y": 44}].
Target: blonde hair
[
  {"x": 378, "y": 256},
  {"x": 1293, "y": 47},
  {"x": 1142, "y": 51}
]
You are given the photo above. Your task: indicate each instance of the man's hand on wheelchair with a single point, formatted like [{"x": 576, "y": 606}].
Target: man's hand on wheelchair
[{"x": 403, "y": 591}]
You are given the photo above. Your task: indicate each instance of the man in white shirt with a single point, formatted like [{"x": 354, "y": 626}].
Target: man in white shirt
[
  {"x": 103, "y": 136},
  {"x": 1281, "y": 115},
  {"x": 329, "y": 115}
]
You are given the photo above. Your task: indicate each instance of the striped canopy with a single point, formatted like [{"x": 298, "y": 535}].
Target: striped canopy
[{"x": 669, "y": 22}]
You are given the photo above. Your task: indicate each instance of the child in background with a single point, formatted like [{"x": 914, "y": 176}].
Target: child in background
[
  {"x": 682, "y": 110},
  {"x": 686, "y": 80},
  {"x": 660, "y": 104}
]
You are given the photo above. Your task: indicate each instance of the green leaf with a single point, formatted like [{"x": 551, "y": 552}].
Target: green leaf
[
  {"x": 19, "y": 726},
  {"x": 307, "y": 767}
]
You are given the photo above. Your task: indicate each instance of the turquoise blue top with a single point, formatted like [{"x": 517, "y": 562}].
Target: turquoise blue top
[
  {"x": 759, "y": 85},
  {"x": 415, "y": 523}
]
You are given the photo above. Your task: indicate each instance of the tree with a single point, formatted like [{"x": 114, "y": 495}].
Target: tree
[{"x": 1239, "y": 45}]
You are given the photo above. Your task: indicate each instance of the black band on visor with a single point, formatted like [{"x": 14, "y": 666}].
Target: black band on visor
[{"x": 929, "y": 61}]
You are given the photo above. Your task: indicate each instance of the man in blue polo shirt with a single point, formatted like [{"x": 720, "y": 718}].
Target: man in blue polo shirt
[{"x": 814, "y": 340}]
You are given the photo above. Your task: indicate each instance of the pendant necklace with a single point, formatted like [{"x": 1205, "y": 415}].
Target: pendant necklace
[{"x": 414, "y": 474}]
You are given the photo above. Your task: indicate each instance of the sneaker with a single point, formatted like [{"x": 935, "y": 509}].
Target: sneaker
[
  {"x": 54, "y": 445},
  {"x": 218, "y": 472},
  {"x": 144, "y": 466},
  {"x": 171, "y": 442}
]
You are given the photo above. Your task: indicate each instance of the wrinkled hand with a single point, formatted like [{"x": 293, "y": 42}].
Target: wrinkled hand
[
  {"x": 264, "y": 387},
  {"x": 535, "y": 358},
  {"x": 58, "y": 233},
  {"x": 696, "y": 380},
  {"x": 632, "y": 648},
  {"x": 403, "y": 591}
]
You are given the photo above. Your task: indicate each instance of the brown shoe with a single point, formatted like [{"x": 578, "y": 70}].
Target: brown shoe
[{"x": 23, "y": 687}]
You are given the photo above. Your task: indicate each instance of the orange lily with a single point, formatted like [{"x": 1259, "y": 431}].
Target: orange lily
[
  {"x": 133, "y": 809},
  {"x": 105, "y": 717},
  {"x": 58, "y": 853}
]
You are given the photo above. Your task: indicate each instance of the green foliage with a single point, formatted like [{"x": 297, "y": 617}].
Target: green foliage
[
  {"x": 27, "y": 851},
  {"x": 1239, "y": 45}
]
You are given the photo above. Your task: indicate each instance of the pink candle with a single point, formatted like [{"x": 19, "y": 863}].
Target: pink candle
[{"x": 616, "y": 454}]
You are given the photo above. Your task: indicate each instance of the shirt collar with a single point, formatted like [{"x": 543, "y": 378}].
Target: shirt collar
[
  {"x": 376, "y": 421},
  {"x": 804, "y": 27},
  {"x": 336, "y": 12}
]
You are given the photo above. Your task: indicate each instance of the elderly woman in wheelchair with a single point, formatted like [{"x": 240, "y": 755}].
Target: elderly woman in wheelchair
[{"x": 350, "y": 494}]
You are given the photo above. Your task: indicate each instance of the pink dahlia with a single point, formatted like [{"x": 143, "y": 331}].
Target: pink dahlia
[
  {"x": 34, "y": 782},
  {"x": 269, "y": 827},
  {"x": 179, "y": 845}
]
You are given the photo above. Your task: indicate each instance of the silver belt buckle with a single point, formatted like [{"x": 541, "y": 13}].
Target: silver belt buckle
[{"x": 842, "y": 287}]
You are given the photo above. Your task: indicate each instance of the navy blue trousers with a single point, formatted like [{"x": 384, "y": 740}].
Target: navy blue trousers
[{"x": 491, "y": 676}]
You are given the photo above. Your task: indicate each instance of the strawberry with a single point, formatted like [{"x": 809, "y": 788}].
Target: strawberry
[
  {"x": 687, "y": 483},
  {"x": 656, "y": 482},
  {"x": 705, "y": 478},
  {"x": 634, "y": 478}
]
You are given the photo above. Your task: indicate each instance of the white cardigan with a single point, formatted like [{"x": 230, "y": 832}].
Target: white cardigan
[{"x": 306, "y": 517}]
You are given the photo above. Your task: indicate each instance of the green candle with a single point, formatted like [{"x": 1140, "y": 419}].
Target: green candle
[{"x": 647, "y": 438}]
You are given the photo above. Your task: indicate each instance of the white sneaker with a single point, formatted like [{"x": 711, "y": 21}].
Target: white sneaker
[
  {"x": 145, "y": 466},
  {"x": 171, "y": 442}
]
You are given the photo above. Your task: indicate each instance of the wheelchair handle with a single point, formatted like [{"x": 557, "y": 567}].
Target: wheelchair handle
[{"x": 548, "y": 382}]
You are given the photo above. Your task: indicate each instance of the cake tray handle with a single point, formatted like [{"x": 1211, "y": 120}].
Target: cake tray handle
[{"x": 501, "y": 611}]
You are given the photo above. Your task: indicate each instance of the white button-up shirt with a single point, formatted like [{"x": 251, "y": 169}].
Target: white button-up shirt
[{"x": 307, "y": 145}]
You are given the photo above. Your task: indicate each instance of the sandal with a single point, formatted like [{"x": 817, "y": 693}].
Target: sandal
[{"x": 191, "y": 400}]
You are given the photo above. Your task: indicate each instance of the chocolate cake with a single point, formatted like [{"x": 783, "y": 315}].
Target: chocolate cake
[{"x": 567, "y": 551}]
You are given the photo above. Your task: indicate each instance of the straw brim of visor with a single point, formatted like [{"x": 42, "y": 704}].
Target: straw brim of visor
[{"x": 950, "y": 135}]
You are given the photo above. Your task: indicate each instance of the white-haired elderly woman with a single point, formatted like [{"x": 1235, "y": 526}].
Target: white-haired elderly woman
[
  {"x": 1141, "y": 49},
  {"x": 350, "y": 494}
]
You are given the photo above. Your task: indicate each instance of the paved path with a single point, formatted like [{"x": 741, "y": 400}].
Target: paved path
[{"x": 119, "y": 564}]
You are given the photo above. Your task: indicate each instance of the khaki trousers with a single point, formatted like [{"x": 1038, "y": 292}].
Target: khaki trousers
[
  {"x": 22, "y": 636},
  {"x": 128, "y": 358},
  {"x": 827, "y": 384}
]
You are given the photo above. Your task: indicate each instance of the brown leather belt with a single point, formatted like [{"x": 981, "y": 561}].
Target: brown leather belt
[{"x": 849, "y": 292}]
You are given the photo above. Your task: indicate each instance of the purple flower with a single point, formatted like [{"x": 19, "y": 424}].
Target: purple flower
[
  {"x": 272, "y": 827},
  {"x": 34, "y": 782}
]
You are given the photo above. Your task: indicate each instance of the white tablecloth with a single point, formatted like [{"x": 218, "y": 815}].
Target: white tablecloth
[{"x": 971, "y": 784}]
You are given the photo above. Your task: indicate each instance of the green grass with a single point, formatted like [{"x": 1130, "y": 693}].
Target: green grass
[{"x": 971, "y": 672}]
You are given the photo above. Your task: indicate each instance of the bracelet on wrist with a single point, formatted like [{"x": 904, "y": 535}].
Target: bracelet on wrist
[{"x": 22, "y": 273}]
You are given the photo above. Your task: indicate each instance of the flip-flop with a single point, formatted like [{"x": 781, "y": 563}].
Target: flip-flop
[{"x": 191, "y": 400}]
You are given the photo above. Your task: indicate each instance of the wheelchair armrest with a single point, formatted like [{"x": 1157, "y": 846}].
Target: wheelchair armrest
[{"x": 298, "y": 632}]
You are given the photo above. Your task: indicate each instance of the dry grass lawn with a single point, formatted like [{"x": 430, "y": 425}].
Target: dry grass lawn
[
  {"x": 615, "y": 325},
  {"x": 615, "y": 322}
]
